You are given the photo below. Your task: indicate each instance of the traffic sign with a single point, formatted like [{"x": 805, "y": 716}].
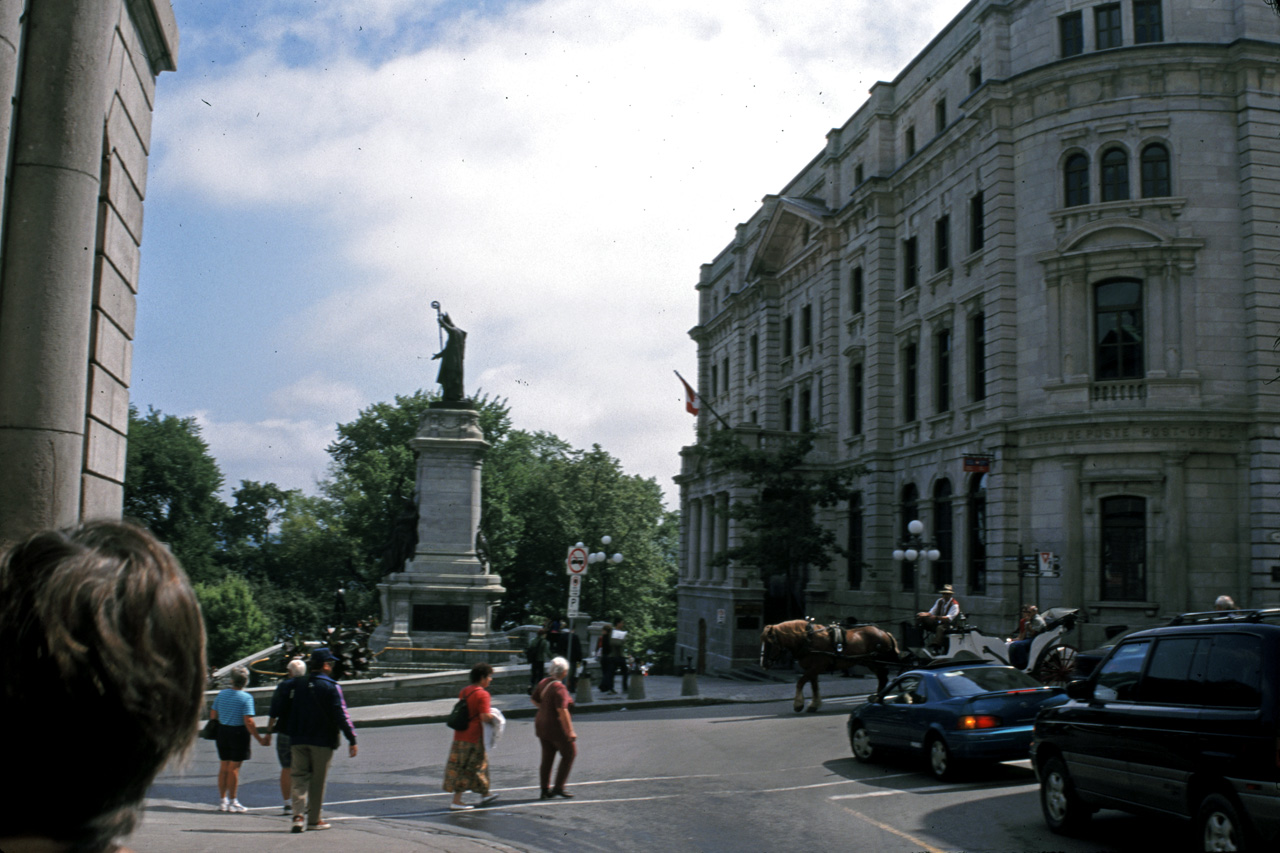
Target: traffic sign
[
  {"x": 1046, "y": 562},
  {"x": 576, "y": 561}
]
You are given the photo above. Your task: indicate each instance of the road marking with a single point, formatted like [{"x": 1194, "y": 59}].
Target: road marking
[{"x": 917, "y": 842}]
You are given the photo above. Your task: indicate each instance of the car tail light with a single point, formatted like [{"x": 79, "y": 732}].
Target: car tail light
[{"x": 978, "y": 721}]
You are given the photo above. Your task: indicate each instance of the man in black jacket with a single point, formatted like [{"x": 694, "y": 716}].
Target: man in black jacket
[{"x": 317, "y": 713}]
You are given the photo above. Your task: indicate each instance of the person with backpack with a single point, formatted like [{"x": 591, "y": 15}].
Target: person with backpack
[
  {"x": 278, "y": 725},
  {"x": 317, "y": 713},
  {"x": 468, "y": 766},
  {"x": 538, "y": 651}
]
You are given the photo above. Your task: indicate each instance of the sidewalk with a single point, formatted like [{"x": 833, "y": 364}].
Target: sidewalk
[{"x": 178, "y": 827}]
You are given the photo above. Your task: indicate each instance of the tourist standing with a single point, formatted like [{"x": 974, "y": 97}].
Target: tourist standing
[
  {"x": 554, "y": 728},
  {"x": 614, "y": 656},
  {"x": 537, "y": 652},
  {"x": 318, "y": 712},
  {"x": 468, "y": 766},
  {"x": 281, "y": 701},
  {"x": 233, "y": 709}
]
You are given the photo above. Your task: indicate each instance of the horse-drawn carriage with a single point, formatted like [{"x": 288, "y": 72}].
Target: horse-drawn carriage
[{"x": 818, "y": 649}]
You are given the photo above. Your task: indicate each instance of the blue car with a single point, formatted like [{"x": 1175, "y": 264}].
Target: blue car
[{"x": 953, "y": 714}]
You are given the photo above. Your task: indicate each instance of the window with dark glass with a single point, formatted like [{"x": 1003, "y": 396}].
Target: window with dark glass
[
  {"x": 940, "y": 115},
  {"x": 856, "y": 546},
  {"x": 1106, "y": 27},
  {"x": 1075, "y": 174},
  {"x": 1071, "y": 34},
  {"x": 1118, "y": 317},
  {"x": 754, "y": 353},
  {"x": 724, "y": 375},
  {"x": 1118, "y": 677},
  {"x": 910, "y": 263},
  {"x": 1155, "y": 171},
  {"x": 1124, "y": 548},
  {"x": 908, "y": 511},
  {"x": 788, "y": 336},
  {"x": 855, "y": 399},
  {"x": 715, "y": 381},
  {"x": 1233, "y": 675},
  {"x": 942, "y": 244},
  {"x": 978, "y": 356},
  {"x": 786, "y": 413},
  {"x": 910, "y": 138},
  {"x": 806, "y": 409},
  {"x": 855, "y": 290},
  {"x": 942, "y": 568},
  {"x": 942, "y": 370},
  {"x": 857, "y": 175},
  {"x": 1148, "y": 26},
  {"x": 910, "y": 369},
  {"x": 1169, "y": 679},
  {"x": 977, "y": 511},
  {"x": 975, "y": 78},
  {"x": 1115, "y": 175},
  {"x": 977, "y": 225},
  {"x": 806, "y": 327}
]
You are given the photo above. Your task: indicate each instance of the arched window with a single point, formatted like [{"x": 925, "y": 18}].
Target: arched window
[
  {"x": 909, "y": 510},
  {"x": 1115, "y": 175},
  {"x": 977, "y": 580},
  {"x": 1155, "y": 171},
  {"x": 1124, "y": 548},
  {"x": 942, "y": 534},
  {"x": 1118, "y": 321},
  {"x": 1076, "y": 180}
]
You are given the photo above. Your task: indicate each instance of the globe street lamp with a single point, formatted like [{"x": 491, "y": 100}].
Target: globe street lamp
[
  {"x": 914, "y": 547},
  {"x": 602, "y": 557}
]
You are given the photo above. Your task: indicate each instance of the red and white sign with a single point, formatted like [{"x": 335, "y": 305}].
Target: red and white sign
[
  {"x": 1046, "y": 562},
  {"x": 577, "y": 561}
]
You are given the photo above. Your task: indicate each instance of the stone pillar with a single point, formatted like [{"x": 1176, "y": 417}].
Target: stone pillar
[
  {"x": 47, "y": 271},
  {"x": 707, "y": 538},
  {"x": 1073, "y": 561},
  {"x": 722, "y": 532},
  {"x": 1175, "y": 592},
  {"x": 693, "y": 541}
]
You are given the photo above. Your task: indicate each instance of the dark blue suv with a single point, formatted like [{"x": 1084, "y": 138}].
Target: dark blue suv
[{"x": 1179, "y": 720}]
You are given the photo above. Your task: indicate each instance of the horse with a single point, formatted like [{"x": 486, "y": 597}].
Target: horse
[{"x": 819, "y": 649}]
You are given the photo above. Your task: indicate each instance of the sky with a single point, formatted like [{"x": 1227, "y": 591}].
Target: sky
[{"x": 552, "y": 172}]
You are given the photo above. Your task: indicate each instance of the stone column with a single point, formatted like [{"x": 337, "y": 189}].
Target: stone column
[
  {"x": 46, "y": 273},
  {"x": 693, "y": 541},
  {"x": 1073, "y": 561}
]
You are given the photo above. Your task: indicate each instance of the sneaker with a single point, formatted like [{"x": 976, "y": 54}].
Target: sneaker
[
  {"x": 460, "y": 807},
  {"x": 224, "y": 806},
  {"x": 319, "y": 826},
  {"x": 484, "y": 801},
  {"x": 287, "y": 807},
  {"x": 299, "y": 823},
  {"x": 236, "y": 807}
]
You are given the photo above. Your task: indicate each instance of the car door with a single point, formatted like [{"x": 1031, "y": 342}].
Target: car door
[
  {"x": 898, "y": 715},
  {"x": 1096, "y": 747}
]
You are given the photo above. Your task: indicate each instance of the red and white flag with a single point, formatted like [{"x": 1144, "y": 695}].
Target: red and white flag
[{"x": 690, "y": 396}]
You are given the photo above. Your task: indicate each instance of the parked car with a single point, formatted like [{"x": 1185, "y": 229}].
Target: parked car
[
  {"x": 1180, "y": 721},
  {"x": 952, "y": 714}
]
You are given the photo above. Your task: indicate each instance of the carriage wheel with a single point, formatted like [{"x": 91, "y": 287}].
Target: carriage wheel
[{"x": 1057, "y": 666}]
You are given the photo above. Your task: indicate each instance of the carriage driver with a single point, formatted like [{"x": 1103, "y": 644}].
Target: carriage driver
[{"x": 944, "y": 613}]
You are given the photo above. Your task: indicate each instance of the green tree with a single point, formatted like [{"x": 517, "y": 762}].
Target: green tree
[
  {"x": 171, "y": 485},
  {"x": 779, "y": 532},
  {"x": 234, "y": 624}
]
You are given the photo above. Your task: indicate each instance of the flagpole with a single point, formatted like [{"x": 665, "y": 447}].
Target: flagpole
[{"x": 703, "y": 401}]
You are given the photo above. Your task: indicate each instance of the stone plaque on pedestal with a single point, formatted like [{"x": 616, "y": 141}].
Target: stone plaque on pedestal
[{"x": 439, "y": 606}]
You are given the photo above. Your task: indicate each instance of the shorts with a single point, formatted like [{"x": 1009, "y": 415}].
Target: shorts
[
  {"x": 284, "y": 750},
  {"x": 233, "y": 743}
]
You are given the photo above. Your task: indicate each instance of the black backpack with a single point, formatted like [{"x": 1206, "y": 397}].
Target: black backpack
[{"x": 460, "y": 717}]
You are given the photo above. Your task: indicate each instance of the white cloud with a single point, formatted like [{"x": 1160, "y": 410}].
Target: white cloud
[
  {"x": 289, "y": 453},
  {"x": 554, "y": 175}
]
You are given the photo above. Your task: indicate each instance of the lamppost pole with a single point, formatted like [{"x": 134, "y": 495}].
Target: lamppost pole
[
  {"x": 914, "y": 547},
  {"x": 601, "y": 557}
]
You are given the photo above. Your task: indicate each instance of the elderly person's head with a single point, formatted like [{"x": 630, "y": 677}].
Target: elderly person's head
[
  {"x": 558, "y": 668},
  {"x": 239, "y": 677},
  {"x": 101, "y": 630},
  {"x": 297, "y": 668},
  {"x": 1224, "y": 602}
]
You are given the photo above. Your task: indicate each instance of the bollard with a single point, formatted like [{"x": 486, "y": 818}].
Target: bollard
[
  {"x": 689, "y": 685},
  {"x": 583, "y": 695},
  {"x": 636, "y": 689}
]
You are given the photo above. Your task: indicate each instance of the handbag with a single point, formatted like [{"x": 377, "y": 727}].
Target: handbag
[
  {"x": 459, "y": 718},
  {"x": 210, "y": 731}
]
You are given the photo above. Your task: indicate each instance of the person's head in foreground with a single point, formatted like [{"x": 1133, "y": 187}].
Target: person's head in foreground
[{"x": 102, "y": 644}]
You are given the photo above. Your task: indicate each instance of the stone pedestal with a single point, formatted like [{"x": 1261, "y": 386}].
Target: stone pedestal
[{"x": 444, "y": 597}]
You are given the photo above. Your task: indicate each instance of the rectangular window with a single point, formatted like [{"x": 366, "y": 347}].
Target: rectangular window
[
  {"x": 786, "y": 414},
  {"x": 1118, "y": 320},
  {"x": 975, "y": 78},
  {"x": 942, "y": 370},
  {"x": 910, "y": 375},
  {"x": 715, "y": 381},
  {"x": 857, "y": 175},
  {"x": 754, "y": 352},
  {"x": 855, "y": 399},
  {"x": 788, "y": 336},
  {"x": 977, "y": 225},
  {"x": 1124, "y": 549},
  {"x": 1106, "y": 27},
  {"x": 806, "y": 327},
  {"x": 806, "y": 409},
  {"x": 855, "y": 290},
  {"x": 940, "y": 116},
  {"x": 910, "y": 141},
  {"x": 724, "y": 375},
  {"x": 856, "y": 546},
  {"x": 1071, "y": 34},
  {"x": 1148, "y": 26},
  {"x": 910, "y": 263},
  {"x": 978, "y": 356},
  {"x": 942, "y": 244}
]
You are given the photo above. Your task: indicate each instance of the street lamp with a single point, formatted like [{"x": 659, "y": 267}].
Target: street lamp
[
  {"x": 602, "y": 557},
  {"x": 915, "y": 548}
]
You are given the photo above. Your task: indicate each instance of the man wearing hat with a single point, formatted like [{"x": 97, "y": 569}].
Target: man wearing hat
[
  {"x": 317, "y": 713},
  {"x": 944, "y": 613}
]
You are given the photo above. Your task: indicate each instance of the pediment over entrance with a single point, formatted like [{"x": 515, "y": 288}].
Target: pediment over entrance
[
  {"x": 1114, "y": 233},
  {"x": 794, "y": 226}
]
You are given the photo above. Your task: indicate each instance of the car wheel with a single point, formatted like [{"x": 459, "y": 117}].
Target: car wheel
[
  {"x": 1064, "y": 813},
  {"x": 860, "y": 741},
  {"x": 941, "y": 763},
  {"x": 1219, "y": 826},
  {"x": 1057, "y": 666}
]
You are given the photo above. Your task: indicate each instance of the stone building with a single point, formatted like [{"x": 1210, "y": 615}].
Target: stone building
[
  {"x": 77, "y": 88},
  {"x": 1032, "y": 285}
]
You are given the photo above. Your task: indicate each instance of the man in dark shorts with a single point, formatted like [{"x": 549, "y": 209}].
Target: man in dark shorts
[{"x": 280, "y": 701}]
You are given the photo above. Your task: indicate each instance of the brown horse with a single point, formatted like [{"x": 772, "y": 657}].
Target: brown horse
[{"x": 819, "y": 649}]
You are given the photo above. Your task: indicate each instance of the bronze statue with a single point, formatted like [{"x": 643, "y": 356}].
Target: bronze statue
[{"x": 450, "y": 375}]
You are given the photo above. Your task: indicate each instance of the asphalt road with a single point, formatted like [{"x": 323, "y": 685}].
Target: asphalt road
[{"x": 726, "y": 778}]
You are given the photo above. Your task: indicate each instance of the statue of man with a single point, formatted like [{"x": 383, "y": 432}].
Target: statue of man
[{"x": 450, "y": 375}]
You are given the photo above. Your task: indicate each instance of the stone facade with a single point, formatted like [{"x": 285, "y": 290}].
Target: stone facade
[
  {"x": 1050, "y": 241},
  {"x": 78, "y": 84}
]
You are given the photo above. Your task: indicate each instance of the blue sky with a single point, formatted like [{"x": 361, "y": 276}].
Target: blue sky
[{"x": 553, "y": 173}]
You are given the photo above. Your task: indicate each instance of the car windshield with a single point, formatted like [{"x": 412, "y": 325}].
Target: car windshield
[{"x": 984, "y": 679}]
